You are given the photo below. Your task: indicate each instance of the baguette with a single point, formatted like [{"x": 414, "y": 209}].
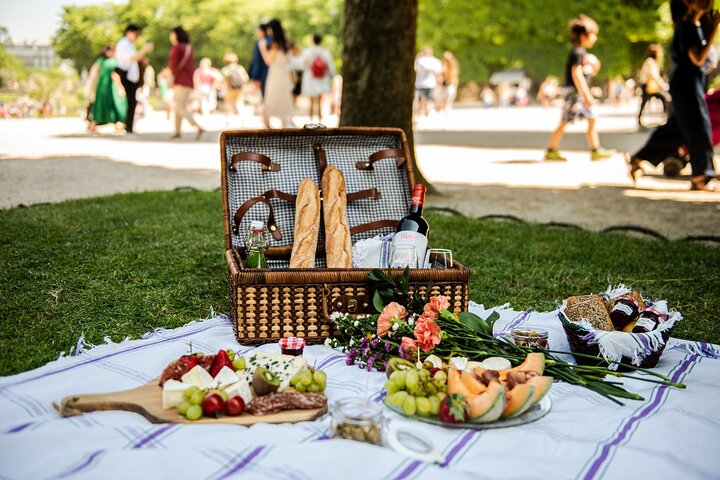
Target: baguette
[
  {"x": 338, "y": 244},
  {"x": 307, "y": 225}
]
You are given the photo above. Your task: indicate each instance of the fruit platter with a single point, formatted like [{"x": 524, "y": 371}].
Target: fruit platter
[
  {"x": 220, "y": 388},
  {"x": 467, "y": 394}
]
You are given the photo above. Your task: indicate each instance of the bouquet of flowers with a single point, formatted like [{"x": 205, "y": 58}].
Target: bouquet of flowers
[{"x": 412, "y": 327}]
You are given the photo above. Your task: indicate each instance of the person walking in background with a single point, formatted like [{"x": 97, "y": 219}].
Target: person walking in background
[
  {"x": 235, "y": 78},
  {"x": 278, "y": 88},
  {"x": 164, "y": 81},
  {"x": 181, "y": 66},
  {"x": 651, "y": 82},
  {"x": 427, "y": 69},
  {"x": 127, "y": 58},
  {"x": 207, "y": 79},
  {"x": 451, "y": 79},
  {"x": 258, "y": 68},
  {"x": 689, "y": 121},
  {"x": 319, "y": 70},
  {"x": 110, "y": 105},
  {"x": 296, "y": 70},
  {"x": 577, "y": 97}
]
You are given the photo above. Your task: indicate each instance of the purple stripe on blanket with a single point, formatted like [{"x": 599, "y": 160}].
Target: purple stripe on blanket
[
  {"x": 456, "y": 449},
  {"x": 409, "y": 470},
  {"x": 83, "y": 466},
  {"x": 330, "y": 359},
  {"x": 514, "y": 323},
  {"x": 156, "y": 433},
  {"x": 109, "y": 355},
  {"x": 19, "y": 428},
  {"x": 645, "y": 412},
  {"x": 708, "y": 350},
  {"x": 243, "y": 463}
]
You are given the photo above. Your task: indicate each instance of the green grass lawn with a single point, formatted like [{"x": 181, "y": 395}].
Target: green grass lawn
[{"x": 122, "y": 265}]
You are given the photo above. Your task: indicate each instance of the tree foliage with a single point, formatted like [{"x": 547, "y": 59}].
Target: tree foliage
[
  {"x": 215, "y": 26},
  {"x": 12, "y": 69},
  {"x": 530, "y": 34}
]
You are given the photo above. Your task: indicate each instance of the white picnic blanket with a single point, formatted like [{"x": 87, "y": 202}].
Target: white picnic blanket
[{"x": 671, "y": 434}]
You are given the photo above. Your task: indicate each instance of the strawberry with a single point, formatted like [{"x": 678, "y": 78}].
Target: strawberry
[
  {"x": 454, "y": 409},
  {"x": 189, "y": 361},
  {"x": 221, "y": 360}
]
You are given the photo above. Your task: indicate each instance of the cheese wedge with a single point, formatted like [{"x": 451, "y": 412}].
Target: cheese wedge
[
  {"x": 198, "y": 377},
  {"x": 226, "y": 376},
  {"x": 241, "y": 388},
  {"x": 284, "y": 366},
  {"x": 173, "y": 393}
]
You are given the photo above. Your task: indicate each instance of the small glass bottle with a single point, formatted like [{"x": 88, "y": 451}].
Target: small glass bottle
[
  {"x": 625, "y": 311},
  {"x": 256, "y": 245},
  {"x": 651, "y": 317},
  {"x": 357, "y": 419}
]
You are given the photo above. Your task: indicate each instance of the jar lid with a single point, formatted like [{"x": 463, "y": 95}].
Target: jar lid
[
  {"x": 529, "y": 332},
  {"x": 292, "y": 343}
]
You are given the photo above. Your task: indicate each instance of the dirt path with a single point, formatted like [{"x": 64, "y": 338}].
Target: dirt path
[{"x": 52, "y": 160}]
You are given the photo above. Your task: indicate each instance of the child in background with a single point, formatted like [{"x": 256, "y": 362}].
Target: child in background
[{"x": 578, "y": 99}]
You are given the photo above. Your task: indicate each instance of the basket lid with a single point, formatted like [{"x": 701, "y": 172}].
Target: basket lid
[{"x": 268, "y": 165}]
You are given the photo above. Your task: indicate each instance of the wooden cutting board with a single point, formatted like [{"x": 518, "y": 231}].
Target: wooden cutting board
[{"x": 147, "y": 401}]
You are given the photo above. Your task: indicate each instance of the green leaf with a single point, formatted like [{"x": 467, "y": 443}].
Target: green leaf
[
  {"x": 473, "y": 321},
  {"x": 378, "y": 302},
  {"x": 494, "y": 316}
]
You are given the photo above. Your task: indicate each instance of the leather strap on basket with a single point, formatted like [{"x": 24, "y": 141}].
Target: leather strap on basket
[
  {"x": 373, "y": 193},
  {"x": 267, "y": 164},
  {"x": 320, "y": 158},
  {"x": 271, "y": 224},
  {"x": 396, "y": 153},
  {"x": 366, "y": 227}
]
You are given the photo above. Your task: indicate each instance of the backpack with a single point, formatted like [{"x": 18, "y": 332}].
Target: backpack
[
  {"x": 236, "y": 78},
  {"x": 319, "y": 67}
]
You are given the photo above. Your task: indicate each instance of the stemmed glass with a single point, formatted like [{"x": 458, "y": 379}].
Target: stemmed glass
[
  {"x": 438, "y": 258},
  {"x": 404, "y": 256}
]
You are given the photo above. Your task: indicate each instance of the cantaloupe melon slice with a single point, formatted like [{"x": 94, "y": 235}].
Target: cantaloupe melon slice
[
  {"x": 455, "y": 384},
  {"x": 488, "y": 406},
  {"x": 534, "y": 362},
  {"x": 520, "y": 399},
  {"x": 475, "y": 386},
  {"x": 542, "y": 387}
]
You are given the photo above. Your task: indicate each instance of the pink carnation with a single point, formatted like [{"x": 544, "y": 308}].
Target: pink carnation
[
  {"x": 427, "y": 332},
  {"x": 392, "y": 311},
  {"x": 408, "y": 344},
  {"x": 436, "y": 304}
]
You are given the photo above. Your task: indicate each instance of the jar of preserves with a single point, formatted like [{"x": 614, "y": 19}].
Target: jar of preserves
[
  {"x": 624, "y": 312},
  {"x": 651, "y": 317},
  {"x": 292, "y": 346},
  {"x": 357, "y": 419}
]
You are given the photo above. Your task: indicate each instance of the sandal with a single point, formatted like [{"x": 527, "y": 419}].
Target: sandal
[{"x": 700, "y": 183}]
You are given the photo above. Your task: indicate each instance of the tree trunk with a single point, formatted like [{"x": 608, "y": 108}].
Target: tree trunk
[{"x": 378, "y": 67}]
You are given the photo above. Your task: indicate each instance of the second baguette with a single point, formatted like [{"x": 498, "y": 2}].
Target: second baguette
[
  {"x": 338, "y": 244},
  {"x": 307, "y": 225}
]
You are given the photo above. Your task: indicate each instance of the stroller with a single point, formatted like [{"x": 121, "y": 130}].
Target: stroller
[{"x": 676, "y": 162}]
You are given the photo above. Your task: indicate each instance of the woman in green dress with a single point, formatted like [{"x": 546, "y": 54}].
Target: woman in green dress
[{"x": 110, "y": 103}]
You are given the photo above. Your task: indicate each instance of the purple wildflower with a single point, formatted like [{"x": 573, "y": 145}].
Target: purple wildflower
[
  {"x": 364, "y": 343},
  {"x": 374, "y": 343},
  {"x": 387, "y": 347},
  {"x": 402, "y": 353},
  {"x": 370, "y": 362}
]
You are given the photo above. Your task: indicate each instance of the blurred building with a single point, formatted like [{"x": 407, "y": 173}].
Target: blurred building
[{"x": 32, "y": 54}]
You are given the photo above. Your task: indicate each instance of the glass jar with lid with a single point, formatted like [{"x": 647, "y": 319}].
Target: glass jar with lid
[
  {"x": 357, "y": 419},
  {"x": 530, "y": 337}
]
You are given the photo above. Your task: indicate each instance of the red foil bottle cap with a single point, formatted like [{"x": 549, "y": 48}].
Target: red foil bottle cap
[{"x": 418, "y": 196}]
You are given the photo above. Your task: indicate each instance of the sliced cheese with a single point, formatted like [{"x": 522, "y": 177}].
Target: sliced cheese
[
  {"x": 198, "y": 377},
  {"x": 241, "y": 388},
  {"x": 226, "y": 376},
  {"x": 458, "y": 363},
  {"x": 284, "y": 366},
  {"x": 173, "y": 393}
]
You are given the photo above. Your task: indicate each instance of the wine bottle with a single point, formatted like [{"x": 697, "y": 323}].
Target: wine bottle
[{"x": 413, "y": 231}]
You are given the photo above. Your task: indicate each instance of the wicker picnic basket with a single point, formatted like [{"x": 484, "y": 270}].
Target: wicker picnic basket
[{"x": 260, "y": 173}]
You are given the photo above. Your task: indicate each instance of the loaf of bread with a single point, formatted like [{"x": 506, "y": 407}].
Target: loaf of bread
[
  {"x": 338, "y": 245},
  {"x": 307, "y": 225},
  {"x": 590, "y": 308}
]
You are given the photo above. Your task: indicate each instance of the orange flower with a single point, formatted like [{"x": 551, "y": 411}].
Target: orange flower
[
  {"x": 436, "y": 304},
  {"x": 427, "y": 332},
  {"x": 392, "y": 311},
  {"x": 408, "y": 344}
]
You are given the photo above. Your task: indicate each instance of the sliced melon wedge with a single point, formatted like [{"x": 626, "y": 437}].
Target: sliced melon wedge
[
  {"x": 489, "y": 406},
  {"x": 455, "y": 384},
  {"x": 471, "y": 382},
  {"x": 520, "y": 399},
  {"x": 542, "y": 387}
]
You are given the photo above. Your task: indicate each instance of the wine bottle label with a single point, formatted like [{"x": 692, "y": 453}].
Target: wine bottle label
[
  {"x": 646, "y": 323},
  {"x": 621, "y": 307},
  {"x": 402, "y": 256}
]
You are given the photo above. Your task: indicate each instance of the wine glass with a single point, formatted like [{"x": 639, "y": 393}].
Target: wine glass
[
  {"x": 438, "y": 258},
  {"x": 404, "y": 256}
]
